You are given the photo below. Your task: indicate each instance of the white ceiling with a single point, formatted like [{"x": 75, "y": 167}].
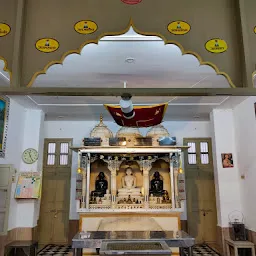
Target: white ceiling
[
  {"x": 90, "y": 108},
  {"x": 105, "y": 65}
]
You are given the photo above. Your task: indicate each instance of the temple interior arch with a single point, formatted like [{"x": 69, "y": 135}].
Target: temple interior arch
[{"x": 135, "y": 137}]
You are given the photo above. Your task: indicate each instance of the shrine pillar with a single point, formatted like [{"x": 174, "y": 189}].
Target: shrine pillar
[
  {"x": 88, "y": 171},
  {"x": 174, "y": 173},
  {"x": 113, "y": 166},
  {"x": 172, "y": 181},
  {"x": 83, "y": 202},
  {"x": 146, "y": 167},
  {"x": 83, "y": 168}
]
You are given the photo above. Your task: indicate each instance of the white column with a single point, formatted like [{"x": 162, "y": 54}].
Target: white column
[
  {"x": 227, "y": 180},
  {"x": 33, "y": 137}
]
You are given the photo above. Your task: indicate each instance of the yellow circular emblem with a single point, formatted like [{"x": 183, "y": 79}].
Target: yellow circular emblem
[
  {"x": 179, "y": 27},
  {"x": 47, "y": 45},
  {"x": 5, "y": 29},
  {"x": 216, "y": 45},
  {"x": 85, "y": 27},
  {"x": 254, "y": 29}
]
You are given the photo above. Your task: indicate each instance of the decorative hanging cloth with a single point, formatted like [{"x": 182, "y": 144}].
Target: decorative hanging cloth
[{"x": 145, "y": 116}]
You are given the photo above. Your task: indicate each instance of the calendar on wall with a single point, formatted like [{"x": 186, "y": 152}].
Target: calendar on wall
[{"x": 28, "y": 186}]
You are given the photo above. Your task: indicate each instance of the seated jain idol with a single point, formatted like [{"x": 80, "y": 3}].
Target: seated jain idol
[{"x": 129, "y": 193}]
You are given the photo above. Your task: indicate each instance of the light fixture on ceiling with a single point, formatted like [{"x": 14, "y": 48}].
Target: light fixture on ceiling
[
  {"x": 196, "y": 117},
  {"x": 127, "y": 106},
  {"x": 130, "y": 60}
]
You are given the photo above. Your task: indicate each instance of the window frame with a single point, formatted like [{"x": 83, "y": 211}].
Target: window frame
[{"x": 57, "y": 153}]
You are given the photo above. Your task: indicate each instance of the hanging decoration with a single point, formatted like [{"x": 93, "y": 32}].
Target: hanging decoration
[
  {"x": 141, "y": 116},
  {"x": 85, "y": 27}
]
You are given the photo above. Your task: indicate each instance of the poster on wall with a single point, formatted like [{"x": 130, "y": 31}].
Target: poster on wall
[
  {"x": 4, "y": 116},
  {"x": 28, "y": 186},
  {"x": 227, "y": 160}
]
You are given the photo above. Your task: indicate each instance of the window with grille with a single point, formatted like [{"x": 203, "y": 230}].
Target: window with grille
[
  {"x": 57, "y": 154},
  {"x": 199, "y": 152},
  {"x": 64, "y": 153},
  {"x": 192, "y": 153},
  {"x": 51, "y": 154},
  {"x": 204, "y": 153}
]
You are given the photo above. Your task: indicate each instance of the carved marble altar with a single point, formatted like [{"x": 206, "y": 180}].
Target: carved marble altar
[
  {"x": 143, "y": 190},
  {"x": 129, "y": 177},
  {"x": 127, "y": 186}
]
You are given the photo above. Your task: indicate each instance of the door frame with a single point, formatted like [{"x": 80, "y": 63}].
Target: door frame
[
  {"x": 9, "y": 190},
  {"x": 45, "y": 166},
  {"x": 199, "y": 166}
]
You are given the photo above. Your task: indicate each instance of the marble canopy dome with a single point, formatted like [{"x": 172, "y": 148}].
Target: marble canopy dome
[
  {"x": 128, "y": 132},
  {"x": 157, "y": 132},
  {"x": 102, "y": 131}
]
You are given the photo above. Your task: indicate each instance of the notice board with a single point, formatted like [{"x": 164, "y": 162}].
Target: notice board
[{"x": 28, "y": 185}]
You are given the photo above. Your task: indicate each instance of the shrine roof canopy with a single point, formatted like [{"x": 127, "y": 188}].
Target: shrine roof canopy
[{"x": 30, "y": 42}]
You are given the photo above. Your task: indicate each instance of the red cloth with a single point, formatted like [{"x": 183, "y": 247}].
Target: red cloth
[{"x": 145, "y": 116}]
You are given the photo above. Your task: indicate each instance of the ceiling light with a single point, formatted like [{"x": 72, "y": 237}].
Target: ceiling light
[
  {"x": 196, "y": 117},
  {"x": 130, "y": 60}
]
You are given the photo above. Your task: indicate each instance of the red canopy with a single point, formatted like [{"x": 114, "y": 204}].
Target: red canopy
[{"x": 145, "y": 116}]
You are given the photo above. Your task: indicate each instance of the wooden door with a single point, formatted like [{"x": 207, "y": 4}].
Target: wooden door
[
  {"x": 54, "y": 211},
  {"x": 6, "y": 173},
  {"x": 200, "y": 189}
]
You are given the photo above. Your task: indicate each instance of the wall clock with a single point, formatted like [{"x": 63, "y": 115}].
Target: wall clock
[{"x": 30, "y": 155}]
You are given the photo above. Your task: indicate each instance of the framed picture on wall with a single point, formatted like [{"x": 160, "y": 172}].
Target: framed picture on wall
[
  {"x": 4, "y": 116},
  {"x": 227, "y": 160}
]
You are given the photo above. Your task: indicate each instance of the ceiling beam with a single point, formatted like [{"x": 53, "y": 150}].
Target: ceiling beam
[{"x": 133, "y": 91}]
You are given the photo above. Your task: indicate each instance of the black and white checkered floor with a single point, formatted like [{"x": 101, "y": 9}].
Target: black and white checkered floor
[
  {"x": 203, "y": 249},
  {"x": 65, "y": 250},
  {"x": 55, "y": 250}
]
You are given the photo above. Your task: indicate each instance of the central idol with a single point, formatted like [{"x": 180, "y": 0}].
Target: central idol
[{"x": 128, "y": 185}]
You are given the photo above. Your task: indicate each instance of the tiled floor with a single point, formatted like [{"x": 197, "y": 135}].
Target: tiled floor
[
  {"x": 55, "y": 250},
  {"x": 65, "y": 250}
]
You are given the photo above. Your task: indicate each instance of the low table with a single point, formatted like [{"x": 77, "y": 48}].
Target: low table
[
  {"x": 149, "y": 248},
  {"x": 28, "y": 247},
  {"x": 94, "y": 239},
  {"x": 239, "y": 245}
]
